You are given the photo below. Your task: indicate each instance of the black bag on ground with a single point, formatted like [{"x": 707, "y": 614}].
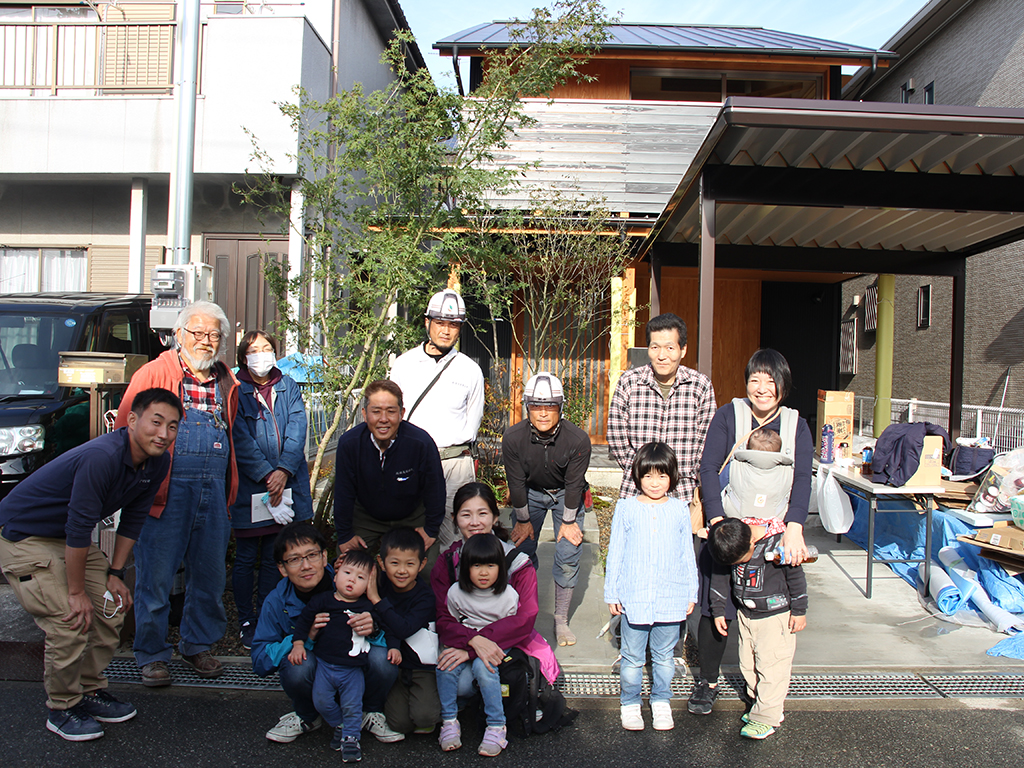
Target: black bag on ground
[{"x": 532, "y": 704}]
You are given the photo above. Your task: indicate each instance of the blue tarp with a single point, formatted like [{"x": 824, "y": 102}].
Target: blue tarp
[{"x": 901, "y": 535}]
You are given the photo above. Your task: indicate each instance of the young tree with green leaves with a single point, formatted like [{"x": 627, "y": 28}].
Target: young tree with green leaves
[{"x": 389, "y": 181}]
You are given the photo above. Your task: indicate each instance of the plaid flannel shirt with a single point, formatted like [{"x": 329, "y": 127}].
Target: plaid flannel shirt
[
  {"x": 639, "y": 415},
  {"x": 203, "y": 394}
]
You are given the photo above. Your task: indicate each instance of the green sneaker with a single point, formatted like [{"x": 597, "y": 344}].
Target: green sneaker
[
  {"x": 757, "y": 731},
  {"x": 745, "y": 717}
]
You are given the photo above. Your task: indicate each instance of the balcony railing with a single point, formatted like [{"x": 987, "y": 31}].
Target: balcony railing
[{"x": 106, "y": 58}]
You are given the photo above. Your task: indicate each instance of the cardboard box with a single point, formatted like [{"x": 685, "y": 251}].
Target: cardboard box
[
  {"x": 1004, "y": 536},
  {"x": 835, "y": 408},
  {"x": 930, "y": 470}
]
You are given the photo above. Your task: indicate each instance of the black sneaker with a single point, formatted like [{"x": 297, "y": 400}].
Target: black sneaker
[
  {"x": 73, "y": 724},
  {"x": 351, "y": 752},
  {"x": 336, "y": 739},
  {"x": 103, "y": 707},
  {"x": 246, "y": 635},
  {"x": 702, "y": 699}
]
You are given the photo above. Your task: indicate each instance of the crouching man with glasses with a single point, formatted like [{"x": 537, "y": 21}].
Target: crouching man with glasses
[
  {"x": 301, "y": 555},
  {"x": 76, "y": 596}
]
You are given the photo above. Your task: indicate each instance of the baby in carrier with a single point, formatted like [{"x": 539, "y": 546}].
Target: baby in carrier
[{"x": 760, "y": 475}]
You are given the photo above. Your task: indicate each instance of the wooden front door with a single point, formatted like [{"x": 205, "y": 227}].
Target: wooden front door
[{"x": 240, "y": 288}]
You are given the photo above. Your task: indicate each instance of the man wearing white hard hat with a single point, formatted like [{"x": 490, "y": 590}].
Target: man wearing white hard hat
[
  {"x": 444, "y": 394},
  {"x": 546, "y": 460}
]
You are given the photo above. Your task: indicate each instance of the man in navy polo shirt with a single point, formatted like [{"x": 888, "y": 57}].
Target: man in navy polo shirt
[
  {"x": 62, "y": 579},
  {"x": 388, "y": 475}
]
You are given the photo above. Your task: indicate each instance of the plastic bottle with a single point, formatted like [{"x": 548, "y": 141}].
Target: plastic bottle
[
  {"x": 828, "y": 438},
  {"x": 778, "y": 554}
]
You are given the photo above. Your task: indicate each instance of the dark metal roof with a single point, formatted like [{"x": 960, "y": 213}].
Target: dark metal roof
[
  {"x": 679, "y": 37},
  {"x": 847, "y": 177}
]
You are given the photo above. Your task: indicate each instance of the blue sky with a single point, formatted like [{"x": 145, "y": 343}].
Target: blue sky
[{"x": 860, "y": 22}]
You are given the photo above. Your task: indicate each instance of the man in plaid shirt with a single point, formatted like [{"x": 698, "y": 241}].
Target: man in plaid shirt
[{"x": 664, "y": 402}]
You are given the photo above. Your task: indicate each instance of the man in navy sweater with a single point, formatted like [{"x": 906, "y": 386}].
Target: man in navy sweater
[
  {"x": 388, "y": 475},
  {"x": 62, "y": 579}
]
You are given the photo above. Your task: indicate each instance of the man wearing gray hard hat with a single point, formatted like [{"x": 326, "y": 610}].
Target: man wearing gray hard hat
[
  {"x": 546, "y": 460},
  {"x": 444, "y": 394}
]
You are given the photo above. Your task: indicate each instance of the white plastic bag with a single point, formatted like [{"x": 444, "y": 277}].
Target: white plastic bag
[{"x": 834, "y": 507}]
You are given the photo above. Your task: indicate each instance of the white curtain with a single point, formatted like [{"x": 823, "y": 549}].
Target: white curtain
[
  {"x": 19, "y": 270},
  {"x": 64, "y": 270}
]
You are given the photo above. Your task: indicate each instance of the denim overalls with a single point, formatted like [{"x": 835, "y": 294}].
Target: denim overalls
[{"x": 194, "y": 529}]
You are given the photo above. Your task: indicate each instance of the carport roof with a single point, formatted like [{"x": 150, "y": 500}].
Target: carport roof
[{"x": 870, "y": 187}]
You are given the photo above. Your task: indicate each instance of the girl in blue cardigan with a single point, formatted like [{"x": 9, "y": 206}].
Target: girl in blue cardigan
[{"x": 650, "y": 581}]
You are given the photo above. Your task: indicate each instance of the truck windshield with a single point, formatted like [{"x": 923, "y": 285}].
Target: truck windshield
[{"x": 29, "y": 349}]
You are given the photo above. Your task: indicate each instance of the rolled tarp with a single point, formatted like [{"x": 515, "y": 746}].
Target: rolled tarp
[{"x": 964, "y": 579}]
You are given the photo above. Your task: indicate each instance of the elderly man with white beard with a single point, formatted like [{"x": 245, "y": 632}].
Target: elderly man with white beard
[{"x": 189, "y": 518}]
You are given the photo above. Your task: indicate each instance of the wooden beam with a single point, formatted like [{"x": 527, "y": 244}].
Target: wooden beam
[
  {"x": 852, "y": 261},
  {"x": 844, "y": 189}
]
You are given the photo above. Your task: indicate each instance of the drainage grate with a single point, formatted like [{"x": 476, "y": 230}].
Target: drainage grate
[
  {"x": 237, "y": 676},
  {"x": 585, "y": 685},
  {"x": 893, "y": 686},
  {"x": 906, "y": 686},
  {"x": 991, "y": 686}
]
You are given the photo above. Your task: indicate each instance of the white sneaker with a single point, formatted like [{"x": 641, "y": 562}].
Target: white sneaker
[
  {"x": 632, "y": 719},
  {"x": 290, "y": 727},
  {"x": 377, "y": 724},
  {"x": 662, "y": 712}
]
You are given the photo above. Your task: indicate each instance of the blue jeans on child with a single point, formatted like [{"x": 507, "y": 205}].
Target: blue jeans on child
[
  {"x": 297, "y": 683},
  {"x": 566, "y": 570},
  {"x": 381, "y": 675},
  {"x": 193, "y": 528},
  {"x": 338, "y": 696},
  {"x": 634, "y": 640},
  {"x": 455, "y": 684}
]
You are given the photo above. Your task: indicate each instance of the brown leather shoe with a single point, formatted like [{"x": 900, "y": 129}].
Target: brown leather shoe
[
  {"x": 204, "y": 664},
  {"x": 155, "y": 674}
]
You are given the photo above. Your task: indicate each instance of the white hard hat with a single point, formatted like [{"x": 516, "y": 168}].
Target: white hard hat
[
  {"x": 543, "y": 389},
  {"x": 446, "y": 305}
]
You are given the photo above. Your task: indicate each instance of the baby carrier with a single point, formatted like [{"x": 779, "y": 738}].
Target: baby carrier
[{"x": 759, "y": 482}]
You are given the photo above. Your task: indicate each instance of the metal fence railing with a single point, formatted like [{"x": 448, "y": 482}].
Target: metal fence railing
[
  {"x": 320, "y": 410},
  {"x": 108, "y": 58},
  {"x": 1003, "y": 426}
]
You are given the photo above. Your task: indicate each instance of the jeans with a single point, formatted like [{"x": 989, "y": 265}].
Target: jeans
[
  {"x": 381, "y": 674},
  {"x": 297, "y": 682},
  {"x": 455, "y": 684},
  {"x": 249, "y": 549},
  {"x": 193, "y": 528},
  {"x": 338, "y": 696},
  {"x": 566, "y": 570},
  {"x": 634, "y": 640}
]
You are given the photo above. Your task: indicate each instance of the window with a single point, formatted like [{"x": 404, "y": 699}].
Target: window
[
  {"x": 905, "y": 90},
  {"x": 929, "y": 93},
  {"x": 704, "y": 85},
  {"x": 30, "y": 270},
  {"x": 848, "y": 347},
  {"x": 924, "y": 306}
]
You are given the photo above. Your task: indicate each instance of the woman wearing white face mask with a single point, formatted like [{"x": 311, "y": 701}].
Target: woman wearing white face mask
[{"x": 270, "y": 441}]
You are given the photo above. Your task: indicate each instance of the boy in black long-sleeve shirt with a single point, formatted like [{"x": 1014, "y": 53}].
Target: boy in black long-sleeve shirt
[
  {"x": 772, "y": 608},
  {"x": 341, "y": 654},
  {"x": 404, "y": 608}
]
